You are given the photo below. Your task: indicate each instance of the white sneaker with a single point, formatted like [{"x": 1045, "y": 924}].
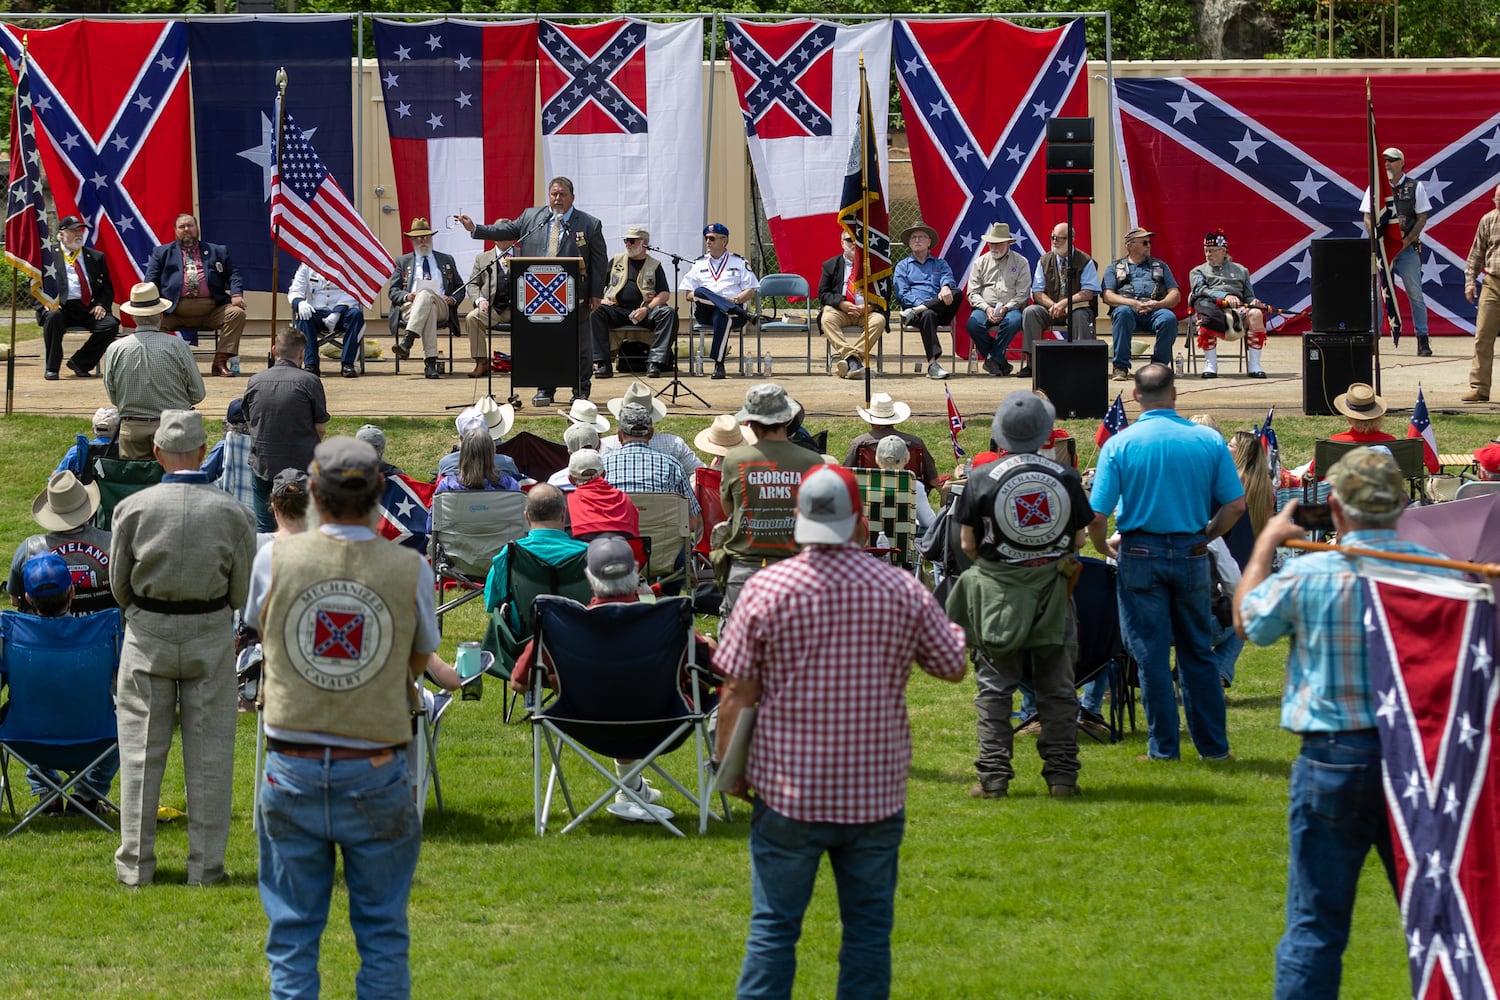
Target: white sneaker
[
  {"x": 646, "y": 792},
  {"x": 841, "y": 369},
  {"x": 907, "y": 315},
  {"x": 936, "y": 371}
]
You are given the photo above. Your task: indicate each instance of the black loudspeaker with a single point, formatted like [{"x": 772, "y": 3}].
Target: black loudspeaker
[
  {"x": 1341, "y": 286},
  {"x": 1070, "y": 130},
  {"x": 1075, "y": 184},
  {"x": 1331, "y": 362},
  {"x": 1070, "y": 161},
  {"x": 1075, "y": 377}
]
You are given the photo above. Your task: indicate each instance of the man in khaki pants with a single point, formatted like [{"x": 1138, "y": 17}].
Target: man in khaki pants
[{"x": 1484, "y": 256}]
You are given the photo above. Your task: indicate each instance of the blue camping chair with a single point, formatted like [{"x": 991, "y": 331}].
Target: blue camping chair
[
  {"x": 61, "y": 711},
  {"x": 628, "y": 687}
]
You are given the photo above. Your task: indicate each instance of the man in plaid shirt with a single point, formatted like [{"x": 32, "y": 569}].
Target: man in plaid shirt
[{"x": 824, "y": 642}]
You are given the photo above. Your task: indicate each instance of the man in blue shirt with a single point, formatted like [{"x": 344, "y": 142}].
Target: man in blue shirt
[
  {"x": 1140, "y": 293},
  {"x": 925, "y": 285},
  {"x": 1337, "y": 811},
  {"x": 1166, "y": 474}
]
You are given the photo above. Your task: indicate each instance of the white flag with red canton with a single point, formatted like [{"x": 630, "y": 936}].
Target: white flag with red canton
[
  {"x": 622, "y": 116},
  {"x": 798, "y": 85},
  {"x": 314, "y": 221},
  {"x": 1421, "y": 427}
]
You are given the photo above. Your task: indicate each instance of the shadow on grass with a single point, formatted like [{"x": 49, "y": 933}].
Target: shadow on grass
[
  {"x": 1254, "y": 701},
  {"x": 459, "y": 827}
]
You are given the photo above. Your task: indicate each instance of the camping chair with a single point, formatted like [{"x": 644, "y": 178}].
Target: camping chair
[
  {"x": 786, "y": 287},
  {"x": 664, "y": 521},
  {"x": 628, "y": 687},
  {"x": 1407, "y": 453},
  {"x": 891, "y": 507},
  {"x": 61, "y": 710},
  {"x": 1478, "y": 488},
  {"x": 512, "y": 625},
  {"x": 1101, "y": 647},
  {"x": 118, "y": 478},
  {"x": 468, "y": 528},
  {"x": 706, "y": 483}
]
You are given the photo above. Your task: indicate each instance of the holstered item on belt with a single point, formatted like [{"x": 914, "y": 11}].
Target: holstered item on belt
[
  {"x": 181, "y": 607},
  {"x": 1070, "y": 567}
]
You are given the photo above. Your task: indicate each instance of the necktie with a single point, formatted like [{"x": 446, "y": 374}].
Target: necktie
[
  {"x": 426, "y": 267},
  {"x": 83, "y": 282},
  {"x": 554, "y": 235},
  {"x": 849, "y": 291}
]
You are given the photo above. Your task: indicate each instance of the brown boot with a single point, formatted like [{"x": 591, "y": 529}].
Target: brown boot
[
  {"x": 481, "y": 368},
  {"x": 1476, "y": 396},
  {"x": 220, "y": 367}
]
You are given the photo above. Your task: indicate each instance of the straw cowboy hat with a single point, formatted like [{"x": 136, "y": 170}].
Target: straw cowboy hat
[
  {"x": 1359, "y": 403},
  {"x": 998, "y": 233},
  {"x": 66, "y": 503},
  {"x": 884, "y": 410},
  {"x": 638, "y": 392},
  {"x": 586, "y": 413},
  {"x": 723, "y": 434},
  {"x": 145, "y": 300}
]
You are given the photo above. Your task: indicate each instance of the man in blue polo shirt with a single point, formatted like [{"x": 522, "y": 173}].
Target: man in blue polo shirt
[
  {"x": 1167, "y": 474},
  {"x": 925, "y": 285}
]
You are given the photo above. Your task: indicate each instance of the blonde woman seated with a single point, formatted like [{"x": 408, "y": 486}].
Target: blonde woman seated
[{"x": 476, "y": 465}]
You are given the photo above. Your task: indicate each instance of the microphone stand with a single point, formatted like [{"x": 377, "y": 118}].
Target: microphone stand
[
  {"x": 676, "y": 386},
  {"x": 489, "y": 329}
]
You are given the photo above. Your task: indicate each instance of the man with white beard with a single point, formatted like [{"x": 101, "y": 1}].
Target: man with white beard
[{"x": 85, "y": 298}]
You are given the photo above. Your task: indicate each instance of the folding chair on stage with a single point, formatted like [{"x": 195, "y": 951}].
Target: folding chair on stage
[
  {"x": 628, "y": 687},
  {"x": 61, "y": 711},
  {"x": 469, "y": 527},
  {"x": 512, "y": 625}
]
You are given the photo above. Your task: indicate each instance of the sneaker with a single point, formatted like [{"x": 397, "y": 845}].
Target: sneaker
[
  {"x": 907, "y": 315},
  {"x": 841, "y": 369},
  {"x": 936, "y": 371},
  {"x": 996, "y": 367},
  {"x": 978, "y": 791},
  {"x": 1121, "y": 374},
  {"x": 651, "y": 795},
  {"x": 1063, "y": 791},
  {"x": 853, "y": 369}
]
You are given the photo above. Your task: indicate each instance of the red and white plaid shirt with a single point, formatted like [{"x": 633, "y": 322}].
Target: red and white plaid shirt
[{"x": 831, "y": 635}]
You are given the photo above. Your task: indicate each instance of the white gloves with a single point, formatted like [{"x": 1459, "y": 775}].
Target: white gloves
[
  {"x": 331, "y": 320},
  {"x": 304, "y": 310}
]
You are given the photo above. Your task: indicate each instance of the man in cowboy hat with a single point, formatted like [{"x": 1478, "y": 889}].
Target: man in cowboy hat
[
  {"x": 844, "y": 307},
  {"x": 178, "y": 601},
  {"x": 84, "y": 298},
  {"x": 758, "y": 487},
  {"x": 65, "y": 512},
  {"x": 148, "y": 372},
  {"x": 422, "y": 291},
  {"x": 883, "y": 414},
  {"x": 636, "y": 294},
  {"x": 1140, "y": 293},
  {"x": 636, "y": 467},
  {"x": 203, "y": 287},
  {"x": 662, "y": 441},
  {"x": 1225, "y": 305},
  {"x": 1365, "y": 411},
  {"x": 1410, "y": 205},
  {"x": 288, "y": 413},
  {"x": 999, "y": 287},
  {"x": 557, "y": 229},
  {"x": 499, "y": 418},
  {"x": 925, "y": 285},
  {"x": 1064, "y": 291}
]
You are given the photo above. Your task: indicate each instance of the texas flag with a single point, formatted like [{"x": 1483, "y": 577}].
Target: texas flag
[
  {"x": 798, "y": 85},
  {"x": 462, "y": 122},
  {"x": 622, "y": 116}
]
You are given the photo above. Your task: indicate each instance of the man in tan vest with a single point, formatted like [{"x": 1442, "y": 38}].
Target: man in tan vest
[{"x": 347, "y": 622}]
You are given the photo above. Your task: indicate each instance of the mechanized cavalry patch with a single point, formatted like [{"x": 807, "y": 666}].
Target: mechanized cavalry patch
[
  {"x": 1031, "y": 507},
  {"x": 341, "y": 631}
]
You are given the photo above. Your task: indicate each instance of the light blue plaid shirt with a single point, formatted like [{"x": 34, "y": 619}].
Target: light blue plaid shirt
[
  {"x": 636, "y": 467},
  {"x": 1318, "y": 601}
]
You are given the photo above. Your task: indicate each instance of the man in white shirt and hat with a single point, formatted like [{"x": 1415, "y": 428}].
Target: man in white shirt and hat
[{"x": 999, "y": 288}]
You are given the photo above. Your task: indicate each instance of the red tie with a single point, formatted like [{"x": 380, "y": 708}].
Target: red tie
[
  {"x": 83, "y": 282},
  {"x": 849, "y": 281}
]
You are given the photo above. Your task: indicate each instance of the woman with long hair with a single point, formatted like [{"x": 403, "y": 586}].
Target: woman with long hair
[
  {"x": 476, "y": 465},
  {"x": 1255, "y": 476}
]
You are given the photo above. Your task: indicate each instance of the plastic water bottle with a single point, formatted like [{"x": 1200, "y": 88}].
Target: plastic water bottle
[
  {"x": 882, "y": 542},
  {"x": 767, "y": 363},
  {"x": 1179, "y": 364},
  {"x": 973, "y": 360},
  {"x": 234, "y": 364}
]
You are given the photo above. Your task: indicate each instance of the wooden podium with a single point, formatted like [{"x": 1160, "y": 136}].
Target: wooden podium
[{"x": 548, "y": 322}]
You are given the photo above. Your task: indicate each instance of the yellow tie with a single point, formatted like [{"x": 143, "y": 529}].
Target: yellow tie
[{"x": 554, "y": 233}]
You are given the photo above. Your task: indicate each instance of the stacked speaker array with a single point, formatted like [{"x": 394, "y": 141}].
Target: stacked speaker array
[{"x": 1339, "y": 350}]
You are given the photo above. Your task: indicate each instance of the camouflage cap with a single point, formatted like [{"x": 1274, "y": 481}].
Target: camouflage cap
[{"x": 1368, "y": 480}]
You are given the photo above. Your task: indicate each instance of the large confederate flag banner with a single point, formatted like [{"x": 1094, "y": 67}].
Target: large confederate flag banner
[
  {"x": 1280, "y": 161},
  {"x": 1432, "y": 669},
  {"x": 112, "y": 101}
]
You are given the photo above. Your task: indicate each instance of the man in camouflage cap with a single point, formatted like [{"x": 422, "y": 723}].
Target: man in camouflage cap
[{"x": 1337, "y": 808}]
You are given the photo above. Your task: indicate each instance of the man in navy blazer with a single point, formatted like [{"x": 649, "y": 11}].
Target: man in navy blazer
[
  {"x": 84, "y": 298},
  {"x": 205, "y": 289},
  {"x": 557, "y": 229}
]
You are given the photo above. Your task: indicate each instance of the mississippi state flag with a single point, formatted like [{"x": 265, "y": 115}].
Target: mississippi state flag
[
  {"x": 462, "y": 122},
  {"x": 1432, "y": 670},
  {"x": 798, "y": 85},
  {"x": 112, "y": 100},
  {"x": 622, "y": 115},
  {"x": 1280, "y": 161},
  {"x": 1421, "y": 427}
]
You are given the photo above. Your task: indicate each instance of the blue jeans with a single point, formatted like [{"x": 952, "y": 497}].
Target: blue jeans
[
  {"x": 265, "y": 519},
  {"x": 1227, "y": 646},
  {"x": 1163, "y": 587},
  {"x": 96, "y": 782},
  {"x": 308, "y": 808},
  {"x": 1408, "y": 267},
  {"x": 1336, "y": 814},
  {"x": 993, "y": 345},
  {"x": 784, "y": 857},
  {"x": 1124, "y": 321},
  {"x": 351, "y": 321}
]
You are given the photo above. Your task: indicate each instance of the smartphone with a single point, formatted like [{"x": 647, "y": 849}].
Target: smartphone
[{"x": 1313, "y": 517}]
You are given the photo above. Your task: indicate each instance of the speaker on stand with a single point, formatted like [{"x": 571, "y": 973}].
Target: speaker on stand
[{"x": 1075, "y": 377}]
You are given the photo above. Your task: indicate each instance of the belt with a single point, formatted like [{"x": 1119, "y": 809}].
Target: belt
[
  {"x": 181, "y": 607},
  {"x": 757, "y": 563},
  {"x": 1331, "y": 734},
  {"x": 143, "y": 420},
  {"x": 321, "y": 752}
]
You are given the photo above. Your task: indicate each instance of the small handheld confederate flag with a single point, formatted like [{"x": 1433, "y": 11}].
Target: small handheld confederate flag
[
  {"x": 1114, "y": 421},
  {"x": 1421, "y": 427},
  {"x": 406, "y": 511},
  {"x": 955, "y": 423}
]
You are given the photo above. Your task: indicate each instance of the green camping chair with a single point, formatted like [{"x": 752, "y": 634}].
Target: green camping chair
[
  {"x": 117, "y": 479},
  {"x": 512, "y": 624}
]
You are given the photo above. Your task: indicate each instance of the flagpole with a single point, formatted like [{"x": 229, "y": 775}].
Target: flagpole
[
  {"x": 1353, "y": 552},
  {"x": 10, "y": 358},
  {"x": 864, "y": 203},
  {"x": 276, "y": 227},
  {"x": 1378, "y": 277}
]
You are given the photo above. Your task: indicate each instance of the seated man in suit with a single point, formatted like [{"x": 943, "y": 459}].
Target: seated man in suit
[
  {"x": 490, "y": 283},
  {"x": 84, "y": 298},
  {"x": 844, "y": 305},
  {"x": 424, "y": 287},
  {"x": 316, "y": 301},
  {"x": 204, "y": 288}
]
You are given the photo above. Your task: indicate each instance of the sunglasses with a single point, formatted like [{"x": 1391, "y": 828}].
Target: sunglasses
[
  {"x": 631, "y": 239},
  {"x": 1393, "y": 159},
  {"x": 1059, "y": 239},
  {"x": 847, "y": 239}
]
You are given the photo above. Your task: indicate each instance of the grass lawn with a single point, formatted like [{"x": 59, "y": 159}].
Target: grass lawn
[{"x": 1162, "y": 880}]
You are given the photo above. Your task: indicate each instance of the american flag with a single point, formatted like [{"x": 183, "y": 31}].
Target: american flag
[
  {"x": 1267, "y": 435},
  {"x": 1421, "y": 427},
  {"x": 955, "y": 423},
  {"x": 1114, "y": 421},
  {"x": 27, "y": 247},
  {"x": 313, "y": 220}
]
